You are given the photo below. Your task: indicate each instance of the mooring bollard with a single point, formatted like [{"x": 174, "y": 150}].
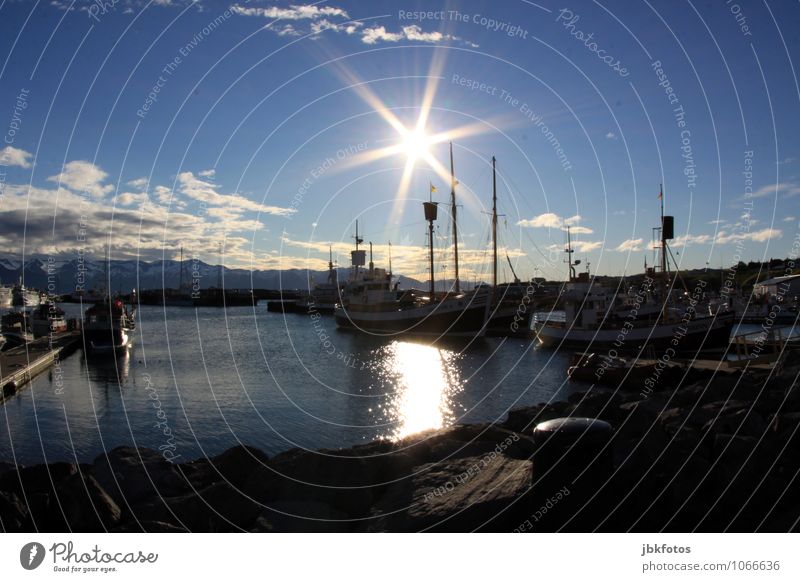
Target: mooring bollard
[{"x": 573, "y": 460}]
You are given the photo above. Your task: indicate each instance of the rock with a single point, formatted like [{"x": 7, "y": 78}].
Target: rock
[
  {"x": 14, "y": 515},
  {"x": 36, "y": 478},
  {"x": 38, "y": 487},
  {"x": 218, "y": 508},
  {"x": 86, "y": 506},
  {"x": 463, "y": 494},
  {"x": 148, "y": 527},
  {"x": 233, "y": 466},
  {"x": 743, "y": 422},
  {"x": 130, "y": 475},
  {"x": 303, "y": 516},
  {"x": 634, "y": 419}
]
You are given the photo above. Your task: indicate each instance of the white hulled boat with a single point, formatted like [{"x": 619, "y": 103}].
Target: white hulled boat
[
  {"x": 373, "y": 305},
  {"x": 598, "y": 317}
]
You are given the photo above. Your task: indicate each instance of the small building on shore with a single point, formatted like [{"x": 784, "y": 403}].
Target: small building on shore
[{"x": 780, "y": 289}]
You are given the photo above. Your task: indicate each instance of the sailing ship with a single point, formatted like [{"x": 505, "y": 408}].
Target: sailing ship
[
  {"x": 372, "y": 304},
  {"x": 597, "y": 317},
  {"x": 322, "y": 297}
]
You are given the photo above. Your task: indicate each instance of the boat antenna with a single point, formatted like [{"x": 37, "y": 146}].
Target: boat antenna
[
  {"x": 453, "y": 183},
  {"x": 331, "y": 276},
  {"x": 569, "y": 252},
  {"x": 390, "y": 259},
  {"x": 664, "y": 262},
  {"x": 371, "y": 264},
  {"x": 494, "y": 222}
]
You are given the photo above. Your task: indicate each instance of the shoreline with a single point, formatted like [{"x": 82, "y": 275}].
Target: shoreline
[{"x": 719, "y": 454}]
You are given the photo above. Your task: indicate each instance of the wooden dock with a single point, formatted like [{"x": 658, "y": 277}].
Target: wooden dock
[{"x": 19, "y": 365}]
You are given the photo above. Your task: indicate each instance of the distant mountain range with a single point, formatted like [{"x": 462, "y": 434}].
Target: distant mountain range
[{"x": 62, "y": 277}]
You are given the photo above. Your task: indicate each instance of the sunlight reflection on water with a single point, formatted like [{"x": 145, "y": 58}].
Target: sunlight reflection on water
[{"x": 422, "y": 382}]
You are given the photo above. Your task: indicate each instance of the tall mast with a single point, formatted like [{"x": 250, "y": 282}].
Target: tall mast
[
  {"x": 330, "y": 264},
  {"x": 453, "y": 214},
  {"x": 663, "y": 234},
  {"x": 371, "y": 264},
  {"x": 494, "y": 223},
  {"x": 358, "y": 242},
  {"x": 390, "y": 259},
  {"x": 430, "y": 215},
  {"x": 569, "y": 252}
]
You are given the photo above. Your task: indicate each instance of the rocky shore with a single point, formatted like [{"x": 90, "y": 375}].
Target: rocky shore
[{"x": 718, "y": 453}]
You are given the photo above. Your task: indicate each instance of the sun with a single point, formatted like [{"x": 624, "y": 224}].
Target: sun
[{"x": 415, "y": 143}]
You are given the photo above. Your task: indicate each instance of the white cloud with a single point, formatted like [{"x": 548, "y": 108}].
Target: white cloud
[
  {"x": 205, "y": 191},
  {"x": 131, "y": 199},
  {"x": 788, "y": 189},
  {"x": 552, "y": 220},
  {"x": 331, "y": 18},
  {"x": 11, "y": 156},
  {"x": 789, "y": 219},
  {"x": 377, "y": 34},
  {"x": 611, "y": 135},
  {"x": 762, "y": 235},
  {"x": 139, "y": 183},
  {"x": 207, "y": 173},
  {"x": 293, "y": 12},
  {"x": 82, "y": 176},
  {"x": 630, "y": 245},
  {"x": 724, "y": 237},
  {"x": 585, "y": 246},
  {"x": 546, "y": 220}
]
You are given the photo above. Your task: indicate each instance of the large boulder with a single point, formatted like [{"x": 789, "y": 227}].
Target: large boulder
[
  {"x": 131, "y": 475},
  {"x": 217, "y": 508},
  {"x": 86, "y": 506},
  {"x": 14, "y": 516}
]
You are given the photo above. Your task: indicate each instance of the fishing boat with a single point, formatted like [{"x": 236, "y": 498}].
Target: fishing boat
[
  {"x": 598, "y": 317},
  {"x": 47, "y": 319},
  {"x": 16, "y": 329},
  {"x": 321, "y": 297},
  {"x": 372, "y": 304},
  {"x": 108, "y": 327},
  {"x": 24, "y": 297}
]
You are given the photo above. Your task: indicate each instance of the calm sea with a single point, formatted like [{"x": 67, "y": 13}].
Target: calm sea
[{"x": 199, "y": 381}]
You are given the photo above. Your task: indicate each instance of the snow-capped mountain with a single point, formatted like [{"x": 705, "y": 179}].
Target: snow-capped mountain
[{"x": 64, "y": 277}]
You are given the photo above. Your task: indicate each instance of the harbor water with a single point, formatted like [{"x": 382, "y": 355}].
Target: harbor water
[{"x": 198, "y": 381}]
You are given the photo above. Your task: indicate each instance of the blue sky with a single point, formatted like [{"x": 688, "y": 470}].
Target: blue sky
[{"x": 170, "y": 123}]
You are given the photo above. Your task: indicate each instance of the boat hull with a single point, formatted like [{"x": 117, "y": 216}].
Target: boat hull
[
  {"x": 450, "y": 319},
  {"x": 106, "y": 340},
  {"x": 701, "y": 333}
]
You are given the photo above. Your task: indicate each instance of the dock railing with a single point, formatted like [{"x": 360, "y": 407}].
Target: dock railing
[{"x": 761, "y": 347}]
